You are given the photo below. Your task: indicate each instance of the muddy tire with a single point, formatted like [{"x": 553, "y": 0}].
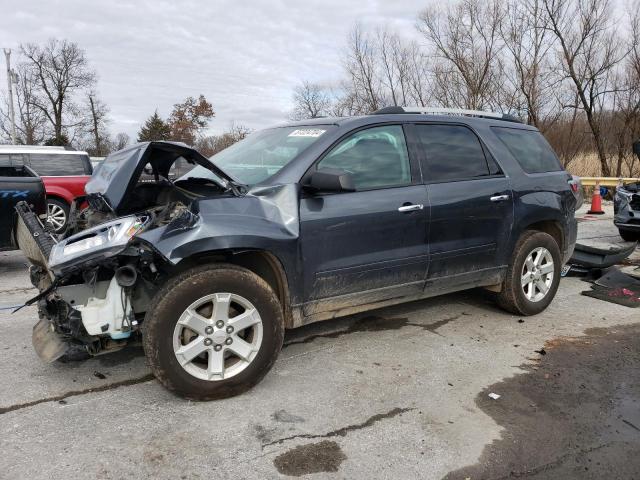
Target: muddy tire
[
  {"x": 629, "y": 235},
  {"x": 200, "y": 352},
  {"x": 533, "y": 275}
]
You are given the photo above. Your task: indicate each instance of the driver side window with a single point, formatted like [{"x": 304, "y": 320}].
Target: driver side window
[{"x": 376, "y": 158}]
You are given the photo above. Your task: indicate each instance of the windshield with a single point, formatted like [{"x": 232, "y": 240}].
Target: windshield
[{"x": 262, "y": 154}]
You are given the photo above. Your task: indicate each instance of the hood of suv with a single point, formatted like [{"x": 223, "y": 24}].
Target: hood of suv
[{"x": 119, "y": 173}]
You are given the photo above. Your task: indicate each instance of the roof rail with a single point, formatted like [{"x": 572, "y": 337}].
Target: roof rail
[
  {"x": 32, "y": 147},
  {"x": 447, "y": 111}
]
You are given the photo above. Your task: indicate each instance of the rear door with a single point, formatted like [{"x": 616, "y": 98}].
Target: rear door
[
  {"x": 471, "y": 204},
  {"x": 373, "y": 239}
]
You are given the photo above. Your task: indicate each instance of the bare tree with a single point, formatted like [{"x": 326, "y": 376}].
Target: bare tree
[
  {"x": 383, "y": 69},
  {"x": 465, "y": 37},
  {"x": 30, "y": 121},
  {"x": 624, "y": 124},
  {"x": 216, "y": 143},
  {"x": 98, "y": 125},
  {"x": 310, "y": 100},
  {"x": 60, "y": 71},
  {"x": 590, "y": 49},
  {"x": 418, "y": 75},
  {"x": 362, "y": 70},
  {"x": 120, "y": 141},
  {"x": 528, "y": 42}
]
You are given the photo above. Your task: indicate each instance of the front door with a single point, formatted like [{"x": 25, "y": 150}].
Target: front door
[
  {"x": 373, "y": 240},
  {"x": 471, "y": 205}
]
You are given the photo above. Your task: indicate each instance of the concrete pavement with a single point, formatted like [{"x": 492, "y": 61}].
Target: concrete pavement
[{"x": 389, "y": 394}]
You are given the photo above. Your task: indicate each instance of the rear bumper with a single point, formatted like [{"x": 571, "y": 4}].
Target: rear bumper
[{"x": 571, "y": 235}]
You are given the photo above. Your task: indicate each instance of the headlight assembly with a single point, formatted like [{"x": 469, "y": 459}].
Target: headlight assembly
[{"x": 103, "y": 240}]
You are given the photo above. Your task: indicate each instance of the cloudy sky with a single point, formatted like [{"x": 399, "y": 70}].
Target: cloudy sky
[{"x": 244, "y": 56}]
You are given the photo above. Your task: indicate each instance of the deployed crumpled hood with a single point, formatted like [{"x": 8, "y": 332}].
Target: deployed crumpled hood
[{"x": 118, "y": 173}]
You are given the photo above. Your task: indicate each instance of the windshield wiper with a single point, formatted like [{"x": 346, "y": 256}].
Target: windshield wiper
[{"x": 238, "y": 189}]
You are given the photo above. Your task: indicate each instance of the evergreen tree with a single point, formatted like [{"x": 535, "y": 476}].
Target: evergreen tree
[{"x": 154, "y": 129}]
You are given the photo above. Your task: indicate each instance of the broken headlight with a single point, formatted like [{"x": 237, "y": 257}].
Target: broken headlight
[{"x": 100, "y": 241}]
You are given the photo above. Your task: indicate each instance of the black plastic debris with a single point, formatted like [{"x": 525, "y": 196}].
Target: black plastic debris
[
  {"x": 590, "y": 256},
  {"x": 617, "y": 287}
]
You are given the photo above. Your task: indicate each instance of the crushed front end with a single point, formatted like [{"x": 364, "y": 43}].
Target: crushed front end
[
  {"x": 626, "y": 207},
  {"x": 94, "y": 286}
]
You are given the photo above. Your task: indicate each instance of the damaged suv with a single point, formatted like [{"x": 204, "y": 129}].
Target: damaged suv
[
  {"x": 626, "y": 208},
  {"x": 296, "y": 224}
]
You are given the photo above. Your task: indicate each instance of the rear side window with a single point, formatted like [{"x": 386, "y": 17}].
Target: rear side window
[
  {"x": 530, "y": 149},
  {"x": 47, "y": 164},
  {"x": 453, "y": 153}
]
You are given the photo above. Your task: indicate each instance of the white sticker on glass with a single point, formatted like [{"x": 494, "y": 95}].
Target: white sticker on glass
[{"x": 307, "y": 132}]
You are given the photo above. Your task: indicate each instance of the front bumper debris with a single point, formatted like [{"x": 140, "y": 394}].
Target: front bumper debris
[
  {"x": 590, "y": 256},
  {"x": 85, "y": 310},
  {"x": 46, "y": 342}
]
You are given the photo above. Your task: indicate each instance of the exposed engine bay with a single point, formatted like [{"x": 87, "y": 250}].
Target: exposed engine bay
[{"x": 96, "y": 280}]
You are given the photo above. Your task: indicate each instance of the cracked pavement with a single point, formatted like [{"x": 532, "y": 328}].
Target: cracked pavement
[{"x": 394, "y": 393}]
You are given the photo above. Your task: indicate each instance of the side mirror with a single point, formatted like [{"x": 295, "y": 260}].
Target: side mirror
[{"x": 330, "y": 180}]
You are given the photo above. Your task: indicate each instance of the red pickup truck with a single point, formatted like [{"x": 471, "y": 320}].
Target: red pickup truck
[{"x": 63, "y": 172}]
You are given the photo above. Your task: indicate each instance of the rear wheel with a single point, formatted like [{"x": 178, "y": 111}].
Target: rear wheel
[
  {"x": 213, "y": 332},
  {"x": 533, "y": 275},
  {"x": 629, "y": 235},
  {"x": 57, "y": 214}
]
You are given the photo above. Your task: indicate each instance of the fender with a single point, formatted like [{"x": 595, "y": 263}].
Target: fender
[
  {"x": 265, "y": 219},
  {"x": 544, "y": 206}
]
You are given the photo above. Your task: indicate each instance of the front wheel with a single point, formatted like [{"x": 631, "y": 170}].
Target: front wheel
[
  {"x": 533, "y": 275},
  {"x": 213, "y": 332}
]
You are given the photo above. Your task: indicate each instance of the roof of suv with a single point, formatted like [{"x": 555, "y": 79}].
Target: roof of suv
[
  {"x": 39, "y": 149},
  {"x": 413, "y": 117}
]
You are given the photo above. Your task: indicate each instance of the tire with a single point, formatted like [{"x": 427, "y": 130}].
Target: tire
[
  {"x": 629, "y": 235},
  {"x": 161, "y": 331},
  {"x": 513, "y": 298},
  {"x": 60, "y": 212}
]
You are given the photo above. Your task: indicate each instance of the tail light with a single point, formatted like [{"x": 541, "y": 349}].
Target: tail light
[{"x": 574, "y": 186}]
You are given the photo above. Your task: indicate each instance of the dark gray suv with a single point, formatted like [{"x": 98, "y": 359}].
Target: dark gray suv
[{"x": 296, "y": 224}]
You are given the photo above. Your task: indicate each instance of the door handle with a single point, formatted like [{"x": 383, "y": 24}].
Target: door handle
[
  {"x": 410, "y": 208},
  {"x": 499, "y": 198}
]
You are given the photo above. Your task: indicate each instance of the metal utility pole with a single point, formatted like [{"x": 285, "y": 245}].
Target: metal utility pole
[{"x": 10, "y": 77}]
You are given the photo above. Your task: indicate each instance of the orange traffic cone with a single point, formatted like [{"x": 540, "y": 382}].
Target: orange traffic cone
[{"x": 596, "y": 202}]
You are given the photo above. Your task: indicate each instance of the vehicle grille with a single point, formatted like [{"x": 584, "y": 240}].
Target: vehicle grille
[{"x": 635, "y": 202}]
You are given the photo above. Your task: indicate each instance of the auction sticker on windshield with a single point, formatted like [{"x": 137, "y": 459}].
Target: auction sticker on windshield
[{"x": 307, "y": 132}]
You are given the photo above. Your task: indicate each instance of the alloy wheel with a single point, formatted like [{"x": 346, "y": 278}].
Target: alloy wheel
[
  {"x": 537, "y": 274},
  {"x": 56, "y": 216},
  {"x": 217, "y": 336}
]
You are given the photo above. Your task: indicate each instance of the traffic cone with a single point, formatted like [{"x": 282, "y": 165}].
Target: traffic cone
[{"x": 596, "y": 202}]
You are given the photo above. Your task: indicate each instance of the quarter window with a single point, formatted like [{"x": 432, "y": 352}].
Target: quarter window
[
  {"x": 453, "y": 153},
  {"x": 46, "y": 164},
  {"x": 530, "y": 149},
  {"x": 376, "y": 158}
]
